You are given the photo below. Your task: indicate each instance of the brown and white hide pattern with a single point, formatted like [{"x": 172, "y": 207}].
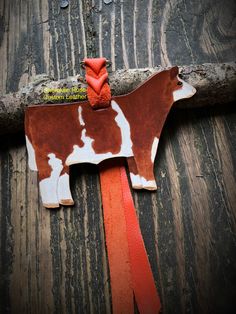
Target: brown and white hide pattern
[{"x": 60, "y": 135}]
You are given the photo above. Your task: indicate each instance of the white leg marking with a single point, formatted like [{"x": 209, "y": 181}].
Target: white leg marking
[
  {"x": 48, "y": 186},
  {"x": 149, "y": 185},
  {"x": 63, "y": 190},
  {"x": 81, "y": 120},
  {"x": 186, "y": 91},
  {"x": 123, "y": 124},
  {"x": 31, "y": 155},
  {"x": 139, "y": 182},
  {"x": 136, "y": 181},
  {"x": 154, "y": 149}
]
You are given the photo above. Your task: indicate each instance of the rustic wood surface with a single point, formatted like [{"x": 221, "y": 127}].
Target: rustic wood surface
[{"x": 55, "y": 261}]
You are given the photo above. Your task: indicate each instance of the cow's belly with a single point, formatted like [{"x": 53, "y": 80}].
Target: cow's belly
[{"x": 86, "y": 153}]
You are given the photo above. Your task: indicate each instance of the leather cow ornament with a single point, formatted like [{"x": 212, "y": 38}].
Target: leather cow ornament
[
  {"x": 92, "y": 131},
  {"x": 60, "y": 135}
]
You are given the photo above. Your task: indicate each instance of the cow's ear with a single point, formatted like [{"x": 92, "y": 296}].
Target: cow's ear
[{"x": 174, "y": 72}]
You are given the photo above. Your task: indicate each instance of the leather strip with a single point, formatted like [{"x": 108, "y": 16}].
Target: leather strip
[
  {"x": 98, "y": 90},
  {"x": 116, "y": 239},
  {"x": 128, "y": 260},
  {"x": 145, "y": 291}
]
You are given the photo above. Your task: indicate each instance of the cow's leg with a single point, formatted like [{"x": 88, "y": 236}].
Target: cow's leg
[
  {"x": 144, "y": 159},
  {"x": 134, "y": 176},
  {"x": 50, "y": 168},
  {"x": 145, "y": 171},
  {"x": 63, "y": 188}
]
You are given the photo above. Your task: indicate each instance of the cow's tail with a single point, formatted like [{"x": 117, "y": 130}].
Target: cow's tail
[{"x": 30, "y": 149}]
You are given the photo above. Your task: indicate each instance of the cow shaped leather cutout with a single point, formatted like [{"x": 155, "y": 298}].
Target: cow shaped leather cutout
[{"x": 75, "y": 133}]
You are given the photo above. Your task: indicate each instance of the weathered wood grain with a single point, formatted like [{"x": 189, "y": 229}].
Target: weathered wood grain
[{"x": 55, "y": 261}]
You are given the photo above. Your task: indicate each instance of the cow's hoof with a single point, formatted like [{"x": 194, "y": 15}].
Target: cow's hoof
[
  {"x": 51, "y": 205},
  {"x": 149, "y": 185},
  {"x": 150, "y": 188},
  {"x": 137, "y": 187},
  {"x": 67, "y": 202}
]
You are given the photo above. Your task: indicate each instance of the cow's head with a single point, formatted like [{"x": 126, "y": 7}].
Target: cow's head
[{"x": 180, "y": 88}]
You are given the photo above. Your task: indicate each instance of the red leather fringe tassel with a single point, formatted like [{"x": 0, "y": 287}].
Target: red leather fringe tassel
[
  {"x": 130, "y": 269},
  {"x": 116, "y": 241}
]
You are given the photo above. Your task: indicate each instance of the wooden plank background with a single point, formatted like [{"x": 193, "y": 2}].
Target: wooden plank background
[{"x": 55, "y": 261}]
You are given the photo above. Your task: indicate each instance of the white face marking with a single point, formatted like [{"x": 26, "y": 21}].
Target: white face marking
[
  {"x": 186, "y": 91},
  {"x": 63, "y": 189},
  {"x": 154, "y": 149},
  {"x": 48, "y": 186},
  {"x": 31, "y": 155},
  {"x": 81, "y": 120},
  {"x": 87, "y": 153}
]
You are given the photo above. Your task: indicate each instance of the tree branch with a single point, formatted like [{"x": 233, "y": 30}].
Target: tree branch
[{"x": 215, "y": 84}]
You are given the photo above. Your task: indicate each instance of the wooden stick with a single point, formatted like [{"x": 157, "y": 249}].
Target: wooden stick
[{"x": 215, "y": 84}]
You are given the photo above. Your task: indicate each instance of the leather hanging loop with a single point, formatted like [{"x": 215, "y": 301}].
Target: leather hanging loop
[{"x": 98, "y": 90}]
